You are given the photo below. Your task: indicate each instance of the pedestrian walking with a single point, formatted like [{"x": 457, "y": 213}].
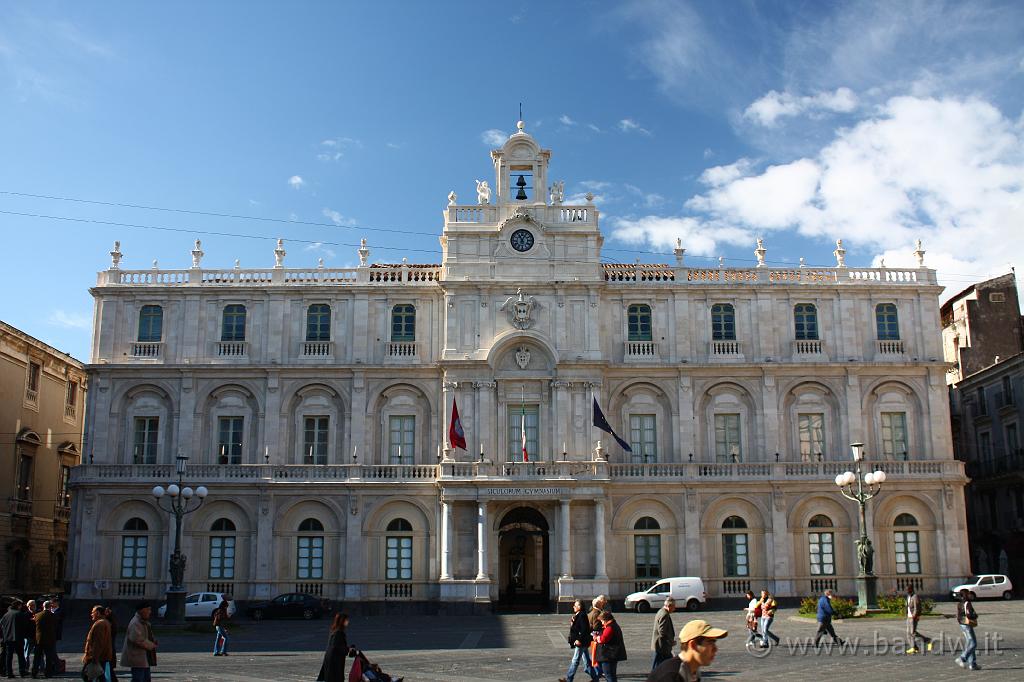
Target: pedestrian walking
[
  {"x": 768, "y": 609},
  {"x": 333, "y": 667},
  {"x": 594, "y": 617},
  {"x": 99, "y": 646},
  {"x": 45, "y": 657},
  {"x": 825, "y": 613},
  {"x": 698, "y": 644},
  {"x": 108, "y": 614},
  {"x": 220, "y": 625},
  {"x": 967, "y": 617},
  {"x": 12, "y": 639},
  {"x": 664, "y": 636},
  {"x": 579, "y": 639},
  {"x": 913, "y": 615},
  {"x": 753, "y": 616},
  {"x": 139, "y": 653},
  {"x": 611, "y": 648}
]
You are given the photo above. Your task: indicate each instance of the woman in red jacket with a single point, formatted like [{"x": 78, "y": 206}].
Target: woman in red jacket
[{"x": 610, "y": 646}]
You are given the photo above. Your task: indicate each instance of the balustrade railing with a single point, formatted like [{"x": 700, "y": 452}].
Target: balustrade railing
[
  {"x": 314, "y": 588},
  {"x": 316, "y": 349},
  {"x": 20, "y": 507},
  {"x": 725, "y": 349},
  {"x": 62, "y": 513},
  {"x": 892, "y": 347},
  {"x": 401, "y": 350},
  {"x": 31, "y": 395},
  {"x": 290, "y": 277},
  {"x": 227, "y": 589},
  {"x": 69, "y": 411},
  {"x": 807, "y": 347},
  {"x": 147, "y": 350},
  {"x": 131, "y": 588},
  {"x": 640, "y": 350},
  {"x": 394, "y": 590},
  {"x": 231, "y": 349}
]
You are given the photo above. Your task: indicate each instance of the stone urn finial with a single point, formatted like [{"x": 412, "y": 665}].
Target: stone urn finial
[
  {"x": 840, "y": 254},
  {"x": 760, "y": 252},
  {"x": 197, "y": 254},
  {"x": 364, "y": 254},
  {"x": 115, "y": 257},
  {"x": 679, "y": 252},
  {"x": 919, "y": 254},
  {"x": 279, "y": 254}
]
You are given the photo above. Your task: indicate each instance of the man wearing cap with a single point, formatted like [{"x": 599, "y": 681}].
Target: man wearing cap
[
  {"x": 698, "y": 642},
  {"x": 139, "y": 645}
]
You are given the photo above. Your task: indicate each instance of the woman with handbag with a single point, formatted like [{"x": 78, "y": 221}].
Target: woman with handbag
[
  {"x": 753, "y": 612},
  {"x": 611, "y": 648},
  {"x": 99, "y": 646},
  {"x": 967, "y": 617}
]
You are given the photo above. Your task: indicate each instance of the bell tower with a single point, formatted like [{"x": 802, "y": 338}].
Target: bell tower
[{"x": 521, "y": 170}]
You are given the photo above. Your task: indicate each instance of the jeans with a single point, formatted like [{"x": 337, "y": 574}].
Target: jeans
[
  {"x": 766, "y": 622},
  {"x": 660, "y": 658},
  {"x": 969, "y": 656},
  {"x": 220, "y": 642},
  {"x": 610, "y": 670},
  {"x": 580, "y": 653},
  {"x": 141, "y": 675}
]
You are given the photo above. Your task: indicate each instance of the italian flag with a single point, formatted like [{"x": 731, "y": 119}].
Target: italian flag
[{"x": 522, "y": 430}]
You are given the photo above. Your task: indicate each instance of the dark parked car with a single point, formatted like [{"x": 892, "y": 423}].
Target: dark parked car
[{"x": 292, "y": 605}]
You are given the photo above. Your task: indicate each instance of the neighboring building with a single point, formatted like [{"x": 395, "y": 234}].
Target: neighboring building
[
  {"x": 42, "y": 399},
  {"x": 315, "y": 402},
  {"x": 984, "y": 339}
]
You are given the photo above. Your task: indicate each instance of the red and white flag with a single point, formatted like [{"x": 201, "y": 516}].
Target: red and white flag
[
  {"x": 456, "y": 436},
  {"x": 522, "y": 429}
]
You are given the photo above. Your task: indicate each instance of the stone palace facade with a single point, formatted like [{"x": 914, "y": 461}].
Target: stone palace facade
[{"x": 314, "y": 403}]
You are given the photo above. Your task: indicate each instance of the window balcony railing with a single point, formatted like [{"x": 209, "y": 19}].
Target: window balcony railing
[
  {"x": 226, "y": 588},
  {"x": 393, "y": 590},
  {"x": 725, "y": 349},
  {"x": 31, "y": 395},
  {"x": 131, "y": 588},
  {"x": 20, "y": 507},
  {"x": 313, "y": 588},
  {"x": 640, "y": 351},
  {"x": 317, "y": 349},
  {"x": 807, "y": 347},
  {"x": 231, "y": 349},
  {"x": 890, "y": 347},
  {"x": 62, "y": 513},
  {"x": 69, "y": 411},
  {"x": 149, "y": 350},
  {"x": 401, "y": 351}
]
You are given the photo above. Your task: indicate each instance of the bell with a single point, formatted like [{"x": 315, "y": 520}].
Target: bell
[{"x": 521, "y": 184}]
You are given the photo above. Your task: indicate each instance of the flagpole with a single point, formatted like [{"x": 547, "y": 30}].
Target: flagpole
[{"x": 522, "y": 421}]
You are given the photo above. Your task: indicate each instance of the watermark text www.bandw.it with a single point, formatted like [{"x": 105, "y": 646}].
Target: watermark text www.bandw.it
[{"x": 989, "y": 644}]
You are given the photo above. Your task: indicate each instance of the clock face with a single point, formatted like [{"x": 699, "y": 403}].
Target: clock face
[{"x": 522, "y": 240}]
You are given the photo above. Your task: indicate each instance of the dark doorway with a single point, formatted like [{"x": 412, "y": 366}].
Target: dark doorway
[{"x": 523, "y": 574}]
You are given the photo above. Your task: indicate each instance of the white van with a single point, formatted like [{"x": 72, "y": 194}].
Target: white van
[{"x": 689, "y": 594}]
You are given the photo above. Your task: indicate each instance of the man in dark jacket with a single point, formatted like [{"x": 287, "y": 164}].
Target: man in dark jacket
[
  {"x": 579, "y": 639},
  {"x": 664, "y": 637},
  {"x": 825, "y": 613},
  {"x": 46, "y": 643},
  {"x": 27, "y": 631},
  {"x": 12, "y": 642}
]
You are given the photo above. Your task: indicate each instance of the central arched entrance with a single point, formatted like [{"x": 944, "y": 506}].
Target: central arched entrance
[{"x": 523, "y": 554}]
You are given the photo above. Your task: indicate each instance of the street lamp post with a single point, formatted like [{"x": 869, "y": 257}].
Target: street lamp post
[
  {"x": 179, "y": 498},
  {"x": 867, "y": 588}
]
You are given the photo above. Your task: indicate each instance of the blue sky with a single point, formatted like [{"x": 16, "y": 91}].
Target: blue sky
[{"x": 716, "y": 122}]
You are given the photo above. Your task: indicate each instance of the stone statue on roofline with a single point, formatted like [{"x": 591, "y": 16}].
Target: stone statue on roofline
[{"x": 483, "y": 192}]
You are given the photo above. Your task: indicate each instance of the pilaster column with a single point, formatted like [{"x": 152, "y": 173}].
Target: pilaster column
[
  {"x": 481, "y": 540},
  {"x": 561, "y": 415},
  {"x": 564, "y": 532},
  {"x": 446, "y": 540},
  {"x": 600, "y": 568}
]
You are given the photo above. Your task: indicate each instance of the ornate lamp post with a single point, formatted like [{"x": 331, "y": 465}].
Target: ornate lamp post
[
  {"x": 179, "y": 499},
  {"x": 867, "y": 588}
]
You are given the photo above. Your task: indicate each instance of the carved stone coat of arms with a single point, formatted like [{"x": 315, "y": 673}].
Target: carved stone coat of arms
[{"x": 520, "y": 309}]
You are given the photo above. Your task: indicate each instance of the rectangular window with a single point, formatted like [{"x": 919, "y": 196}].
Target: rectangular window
[
  {"x": 233, "y": 323},
  {"x": 310, "y": 558},
  {"x": 894, "y": 434},
  {"x": 147, "y": 430},
  {"x": 647, "y": 552},
  {"x": 399, "y": 558},
  {"x": 35, "y": 370},
  {"x": 63, "y": 487},
  {"x": 318, "y": 322},
  {"x": 908, "y": 554},
  {"x": 812, "y": 435},
  {"x": 314, "y": 439},
  {"x": 643, "y": 438},
  {"x": 727, "y": 438},
  {"x": 1012, "y": 442},
  {"x": 982, "y": 404},
  {"x": 822, "y": 553},
  {"x": 734, "y": 555},
  {"x": 723, "y": 322},
  {"x": 71, "y": 398},
  {"x": 638, "y": 318},
  {"x": 229, "y": 440},
  {"x": 515, "y": 434},
  {"x": 151, "y": 322},
  {"x": 222, "y": 557},
  {"x": 24, "y": 481},
  {"x": 1007, "y": 391},
  {"x": 985, "y": 446},
  {"x": 133, "y": 556},
  {"x": 402, "y": 439}
]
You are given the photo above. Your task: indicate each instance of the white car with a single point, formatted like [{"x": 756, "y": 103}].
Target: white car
[
  {"x": 986, "y": 586},
  {"x": 689, "y": 594},
  {"x": 202, "y": 605}
]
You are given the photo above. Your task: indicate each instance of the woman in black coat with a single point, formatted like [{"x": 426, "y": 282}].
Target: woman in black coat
[
  {"x": 611, "y": 648},
  {"x": 333, "y": 668}
]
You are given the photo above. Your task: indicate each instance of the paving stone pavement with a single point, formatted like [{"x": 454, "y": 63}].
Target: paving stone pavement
[{"x": 528, "y": 648}]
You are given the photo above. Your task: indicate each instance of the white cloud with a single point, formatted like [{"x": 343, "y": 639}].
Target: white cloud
[
  {"x": 337, "y": 218},
  {"x": 699, "y": 237},
  {"x": 318, "y": 247},
  {"x": 593, "y": 127},
  {"x": 647, "y": 199},
  {"x": 493, "y": 137},
  {"x": 774, "y": 105},
  {"x": 565, "y": 120},
  {"x": 628, "y": 125},
  {"x": 296, "y": 182},
  {"x": 333, "y": 149},
  {"x": 72, "y": 320},
  {"x": 720, "y": 175}
]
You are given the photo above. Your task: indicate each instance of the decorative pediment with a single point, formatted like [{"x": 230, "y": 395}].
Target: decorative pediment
[
  {"x": 28, "y": 437},
  {"x": 520, "y": 216},
  {"x": 68, "y": 448}
]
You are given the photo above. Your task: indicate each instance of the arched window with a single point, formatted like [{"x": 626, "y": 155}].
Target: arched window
[
  {"x": 638, "y": 318},
  {"x": 233, "y": 323},
  {"x": 222, "y": 550},
  {"x": 887, "y": 321},
  {"x": 735, "y": 558},
  {"x": 309, "y": 559},
  {"x": 151, "y": 323},
  {"x": 134, "y": 549},
  {"x": 647, "y": 549},
  {"x": 907, "y": 545},
  {"x": 318, "y": 322},
  {"x": 398, "y": 551},
  {"x": 403, "y": 323},
  {"x": 821, "y": 546},
  {"x": 723, "y": 322},
  {"x": 805, "y": 322}
]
